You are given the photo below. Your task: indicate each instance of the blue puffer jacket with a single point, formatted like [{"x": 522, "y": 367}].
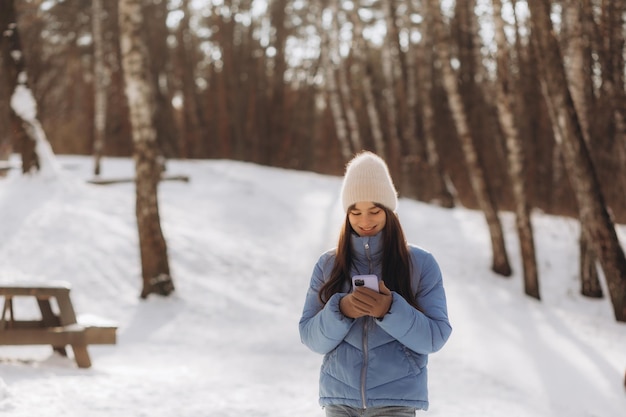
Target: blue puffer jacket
[{"x": 370, "y": 362}]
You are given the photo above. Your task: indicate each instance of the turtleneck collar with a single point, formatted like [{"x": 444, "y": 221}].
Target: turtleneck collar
[{"x": 367, "y": 252}]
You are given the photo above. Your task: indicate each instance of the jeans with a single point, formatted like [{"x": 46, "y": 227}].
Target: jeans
[{"x": 345, "y": 411}]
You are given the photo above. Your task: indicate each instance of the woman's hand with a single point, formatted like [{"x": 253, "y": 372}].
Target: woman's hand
[
  {"x": 352, "y": 307},
  {"x": 365, "y": 302}
]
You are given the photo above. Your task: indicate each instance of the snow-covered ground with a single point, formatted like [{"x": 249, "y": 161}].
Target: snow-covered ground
[{"x": 242, "y": 242}]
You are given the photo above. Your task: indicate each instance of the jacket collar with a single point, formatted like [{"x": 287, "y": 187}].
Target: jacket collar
[{"x": 367, "y": 251}]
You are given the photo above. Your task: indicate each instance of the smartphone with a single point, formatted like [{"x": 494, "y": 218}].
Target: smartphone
[{"x": 368, "y": 281}]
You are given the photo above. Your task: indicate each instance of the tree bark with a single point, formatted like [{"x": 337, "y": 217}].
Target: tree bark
[
  {"x": 192, "y": 125},
  {"x": 500, "y": 263},
  {"x": 14, "y": 75},
  {"x": 442, "y": 194},
  {"x": 155, "y": 35},
  {"x": 589, "y": 283},
  {"x": 6, "y": 88},
  {"x": 516, "y": 157},
  {"x": 361, "y": 68},
  {"x": 329, "y": 43},
  {"x": 613, "y": 67},
  {"x": 277, "y": 100},
  {"x": 593, "y": 213},
  {"x": 99, "y": 85},
  {"x": 346, "y": 93},
  {"x": 578, "y": 75},
  {"x": 414, "y": 159},
  {"x": 392, "y": 73},
  {"x": 146, "y": 154}
]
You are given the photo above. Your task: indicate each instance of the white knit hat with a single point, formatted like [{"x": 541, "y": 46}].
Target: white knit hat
[{"x": 367, "y": 179}]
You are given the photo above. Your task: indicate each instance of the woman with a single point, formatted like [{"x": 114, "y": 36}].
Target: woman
[{"x": 375, "y": 344}]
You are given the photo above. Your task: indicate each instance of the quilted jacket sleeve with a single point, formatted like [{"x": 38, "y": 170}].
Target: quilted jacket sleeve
[
  {"x": 425, "y": 332},
  {"x": 322, "y": 327}
]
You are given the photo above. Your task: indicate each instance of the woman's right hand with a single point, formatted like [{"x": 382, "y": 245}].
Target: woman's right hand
[
  {"x": 352, "y": 307},
  {"x": 366, "y": 302}
]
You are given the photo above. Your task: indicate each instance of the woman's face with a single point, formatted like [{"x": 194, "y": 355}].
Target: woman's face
[{"x": 366, "y": 218}]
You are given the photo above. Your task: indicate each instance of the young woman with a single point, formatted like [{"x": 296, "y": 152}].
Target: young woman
[{"x": 375, "y": 343}]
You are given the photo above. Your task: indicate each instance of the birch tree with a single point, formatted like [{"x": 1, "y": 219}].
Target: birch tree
[
  {"x": 392, "y": 73},
  {"x": 100, "y": 84},
  {"x": 16, "y": 79},
  {"x": 361, "y": 66},
  {"x": 155, "y": 36},
  {"x": 441, "y": 39},
  {"x": 504, "y": 95},
  {"x": 191, "y": 118},
  {"x": 576, "y": 36},
  {"x": 593, "y": 213},
  {"x": 346, "y": 92},
  {"x": 329, "y": 39},
  {"x": 611, "y": 53},
  {"x": 278, "y": 125},
  {"x": 425, "y": 55},
  {"x": 148, "y": 169},
  {"x": 414, "y": 160}
]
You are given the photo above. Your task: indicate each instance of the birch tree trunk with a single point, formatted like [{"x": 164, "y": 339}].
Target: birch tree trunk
[
  {"x": 442, "y": 193},
  {"x": 6, "y": 135},
  {"x": 579, "y": 80},
  {"x": 593, "y": 214},
  {"x": 578, "y": 66},
  {"x": 391, "y": 72},
  {"x": 361, "y": 69},
  {"x": 590, "y": 281},
  {"x": 14, "y": 71},
  {"x": 153, "y": 249},
  {"x": 516, "y": 157},
  {"x": 401, "y": 102},
  {"x": 346, "y": 98},
  {"x": 345, "y": 91},
  {"x": 442, "y": 43},
  {"x": 155, "y": 35},
  {"x": 100, "y": 85},
  {"x": 278, "y": 126},
  {"x": 329, "y": 42},
  {"x": 192, "y": 125},
  {"x": 343, "y": 82},
  {"x": 612, "y": 68},
  {"x": 413, "y": 161}
]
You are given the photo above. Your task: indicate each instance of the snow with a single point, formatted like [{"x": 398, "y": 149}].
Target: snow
[
  {"x": 242, "y": 241},
  {"x": 24, "y": 105}
]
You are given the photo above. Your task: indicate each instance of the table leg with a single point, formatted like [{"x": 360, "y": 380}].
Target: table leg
[
  {"x": 81, "y": 356},
  {"x": 66, "y": 310},
  {"x": 8, "y": 308},
  {"x": 49, "y": 319}
]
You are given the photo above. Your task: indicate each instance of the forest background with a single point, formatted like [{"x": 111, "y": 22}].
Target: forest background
[
  {"x": 489, "y": 104},
  {"x": 243, "y": 80}
]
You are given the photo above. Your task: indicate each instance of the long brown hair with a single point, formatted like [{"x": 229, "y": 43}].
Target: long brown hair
[{"x": 396, "y": 268}]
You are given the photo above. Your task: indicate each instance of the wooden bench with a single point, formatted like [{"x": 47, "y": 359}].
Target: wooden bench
[{"x": 57, "y": 330}]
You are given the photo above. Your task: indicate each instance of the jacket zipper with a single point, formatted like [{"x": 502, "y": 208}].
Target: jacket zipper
[
  {"x": 365, "y": 332},
  {"x": 367, "y": 255},
  {"x": 365, "y": 360}
]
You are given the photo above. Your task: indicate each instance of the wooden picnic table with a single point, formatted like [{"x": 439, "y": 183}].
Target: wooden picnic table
[{"x": 57, "y": 327}]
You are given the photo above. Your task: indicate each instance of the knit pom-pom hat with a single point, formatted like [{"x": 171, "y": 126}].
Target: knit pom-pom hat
[{"x": 367, "y": 179}]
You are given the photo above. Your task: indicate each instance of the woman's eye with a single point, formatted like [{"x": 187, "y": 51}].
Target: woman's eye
[{"x": 373, "y": 213}]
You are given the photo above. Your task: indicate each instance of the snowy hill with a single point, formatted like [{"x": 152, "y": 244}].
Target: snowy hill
[{"x": 242, "y": 242}]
